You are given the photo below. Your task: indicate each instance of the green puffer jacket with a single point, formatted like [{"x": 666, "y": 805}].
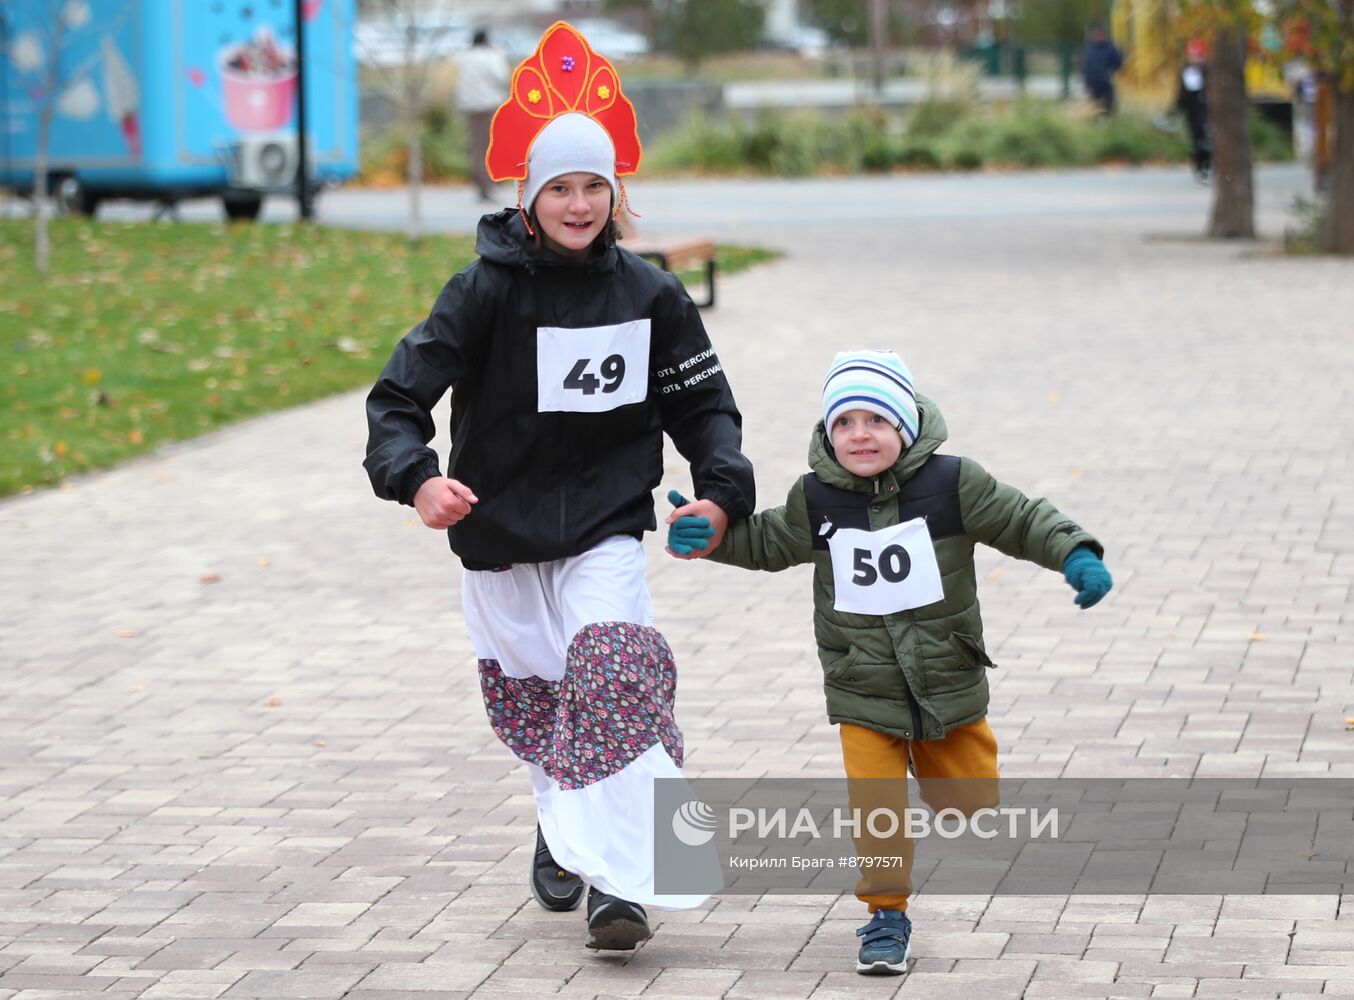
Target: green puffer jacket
[{"x": 914, "y": 674}]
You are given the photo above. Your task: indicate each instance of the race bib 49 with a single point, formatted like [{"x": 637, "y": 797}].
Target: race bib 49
[{"x": 592, "y": 369}]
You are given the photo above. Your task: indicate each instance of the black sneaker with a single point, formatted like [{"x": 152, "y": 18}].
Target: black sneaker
[
  {"x": 553, "y": 887},
  {"x": 615, "y": 924}
]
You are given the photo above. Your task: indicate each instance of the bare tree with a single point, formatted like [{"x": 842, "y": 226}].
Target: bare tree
[
  {"x": 53, "y": 26},
  {"x": 42, "y": 51},
  {"x": 423, "y": 39},
  {"x": 1322, "y": 31}
]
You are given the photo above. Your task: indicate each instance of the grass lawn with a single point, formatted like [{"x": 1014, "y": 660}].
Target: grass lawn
[{"x": 142, "y": 334}]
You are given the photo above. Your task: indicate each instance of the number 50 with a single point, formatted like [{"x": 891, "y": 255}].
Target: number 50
[{"x": 894, "y": 565}]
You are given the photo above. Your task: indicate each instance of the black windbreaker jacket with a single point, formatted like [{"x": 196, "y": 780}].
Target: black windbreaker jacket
[{"x": 552, "y": 484}]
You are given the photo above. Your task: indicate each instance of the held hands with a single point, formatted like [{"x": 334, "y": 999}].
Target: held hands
[
  {"x": 1087, "y": 576},
  {"x": 695, "y": 529},
  {"x": 442, "y": 502}
]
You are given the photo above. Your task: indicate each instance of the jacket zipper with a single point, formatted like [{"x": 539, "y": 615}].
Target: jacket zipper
[
  {"x": 563, "y": 480},
  {"x": 916, "y": 713}
]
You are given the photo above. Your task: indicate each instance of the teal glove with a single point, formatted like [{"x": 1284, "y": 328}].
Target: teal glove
[
  {"x": 688, "y": 534},
  {"x": 1087, "y": 576}
]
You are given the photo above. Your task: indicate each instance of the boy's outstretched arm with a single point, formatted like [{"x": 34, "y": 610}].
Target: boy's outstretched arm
[
  {"x": 771, "y": 540},
  {"x": 1031, "y": 529}
]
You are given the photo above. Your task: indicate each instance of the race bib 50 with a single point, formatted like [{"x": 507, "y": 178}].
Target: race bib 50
[{"x": 885, "y": 571}]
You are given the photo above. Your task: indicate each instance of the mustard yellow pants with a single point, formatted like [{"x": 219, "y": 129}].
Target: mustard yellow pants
[{"x": 958, "y": 771}]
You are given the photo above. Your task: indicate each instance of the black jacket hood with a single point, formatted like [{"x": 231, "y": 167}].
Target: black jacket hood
[{"x": 502, "y": 238}]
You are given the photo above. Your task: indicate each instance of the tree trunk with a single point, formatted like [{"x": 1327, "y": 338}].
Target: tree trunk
[
  {"x": 41, "y": 245},
  {"x": 412, "y": 78},
  {"x": 414, "y": 173},
  {"x": 41, "y": 157},
  {"x": 1338, "y": 235},
  {"x": 878, "y": 29},
  {"x": 1233, "y": 182}
]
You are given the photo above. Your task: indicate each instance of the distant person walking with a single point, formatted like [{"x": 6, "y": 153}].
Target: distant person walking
[
  {"x": 1100, "y": 60},
  {"x": 1191, "y": 100},
  {"x": 481, "y": 86}
]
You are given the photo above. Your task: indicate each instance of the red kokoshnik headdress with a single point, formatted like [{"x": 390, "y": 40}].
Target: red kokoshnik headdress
[{"x": 564, "y": 74}]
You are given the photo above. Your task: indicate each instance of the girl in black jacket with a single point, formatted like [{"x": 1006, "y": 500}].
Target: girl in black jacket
[
  {"x": 567, "y": 359},
  {"x": 1191, "y": 100}
]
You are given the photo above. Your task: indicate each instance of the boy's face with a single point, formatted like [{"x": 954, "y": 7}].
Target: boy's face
[
  {"x": 571, "y": 211},
  {"x": 866, "y": 443}
]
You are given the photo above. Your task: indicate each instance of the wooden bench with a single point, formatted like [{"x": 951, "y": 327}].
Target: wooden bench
[{"x": 680, "y": 256}]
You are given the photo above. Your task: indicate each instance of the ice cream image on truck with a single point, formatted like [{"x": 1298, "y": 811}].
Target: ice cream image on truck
[{"x": 170, "y": 99}]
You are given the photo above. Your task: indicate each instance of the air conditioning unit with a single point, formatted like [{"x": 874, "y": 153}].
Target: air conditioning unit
[{"x": 265, "y": 162}]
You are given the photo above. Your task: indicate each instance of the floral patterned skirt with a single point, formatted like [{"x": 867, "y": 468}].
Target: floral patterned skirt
[{"x": 580, "y": 686}]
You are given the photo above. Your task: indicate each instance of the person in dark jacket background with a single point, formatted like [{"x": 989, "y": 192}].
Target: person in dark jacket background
[
  {"x": 1100, "y": 60},
  {"x": 1191, "y": 100},
  {"x": 567, "y": 359}
]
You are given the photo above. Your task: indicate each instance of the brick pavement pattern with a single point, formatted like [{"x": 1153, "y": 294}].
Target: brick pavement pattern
[{"x": 244, "y": 753}]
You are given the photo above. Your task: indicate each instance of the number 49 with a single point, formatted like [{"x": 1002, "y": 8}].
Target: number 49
[{"x": 579, "y": 378}]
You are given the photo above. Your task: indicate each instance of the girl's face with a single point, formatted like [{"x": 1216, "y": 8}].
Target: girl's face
[
  {"x": 866, "y": 444},
  {"x": 571, "y": 211}
]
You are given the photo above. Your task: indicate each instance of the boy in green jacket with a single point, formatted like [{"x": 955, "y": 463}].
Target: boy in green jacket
[{"x": 890, "y": 527}]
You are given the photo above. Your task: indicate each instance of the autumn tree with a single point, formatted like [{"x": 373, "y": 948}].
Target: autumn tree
[
  {"x": 1322, "y": 33},
  {"x": 43, "y": 56},
  {"x": 1228, "y": 24}
]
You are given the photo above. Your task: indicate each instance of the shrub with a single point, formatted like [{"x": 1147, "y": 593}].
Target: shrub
[
  {"x": 935, "y": 135},
  {"x": 920, "y": 154},
  {"x": 962, "y": 148},
  {"x": 700, "y": 144},
  {"x": 1133, "y": 138},
  {"x": 1032, "y": 136},
  {"x": 1268, "y": 141},
  {"x": 936, "y": 116},
  {"x": 385, "y": 154}
]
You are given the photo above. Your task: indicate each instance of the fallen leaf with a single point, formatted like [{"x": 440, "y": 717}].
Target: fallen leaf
[
  {"x": 273, "y": 703},
  {"x": 321, "y": 743},
  {"x": 1053, "y": 396},
  {"x": 126, "y": 633},
  {"x": 1309, "y": 854},
  {"x": 136, "y": 437},
  {"x": 93, "y": 376},
  {"x": 262, "y": 560},
  {"x": 209, "y": 578},
  {"x": 1257, "y": 637},
  {"x": 61, "y": 449},
  {"x": 996, "y": 574},
  {"x": 1076, "y": 473},
  {"x": 137, "y": 687}
]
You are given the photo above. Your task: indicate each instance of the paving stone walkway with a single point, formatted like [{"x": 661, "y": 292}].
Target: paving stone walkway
[{"x": 242, "y": 751}]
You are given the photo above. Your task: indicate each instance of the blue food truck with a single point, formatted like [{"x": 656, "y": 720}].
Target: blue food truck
[{"x": 170, "y": 99}]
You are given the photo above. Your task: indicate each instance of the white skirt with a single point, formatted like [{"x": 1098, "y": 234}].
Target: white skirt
[{"x": 579, "y": 685}]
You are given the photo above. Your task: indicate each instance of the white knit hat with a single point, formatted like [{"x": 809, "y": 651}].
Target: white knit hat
[
  {"x": 573, "y": 142},
  {"x": 876, "y": 381}
]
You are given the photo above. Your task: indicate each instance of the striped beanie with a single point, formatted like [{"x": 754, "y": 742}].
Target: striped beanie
[{"x": 876, "y": 381}]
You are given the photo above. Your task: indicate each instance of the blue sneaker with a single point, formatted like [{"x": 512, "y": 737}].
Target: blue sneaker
[{"x": 887, "y": 942}]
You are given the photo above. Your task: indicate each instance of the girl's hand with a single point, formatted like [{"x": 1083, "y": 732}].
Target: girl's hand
[{"x": 442, "y": 502}]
